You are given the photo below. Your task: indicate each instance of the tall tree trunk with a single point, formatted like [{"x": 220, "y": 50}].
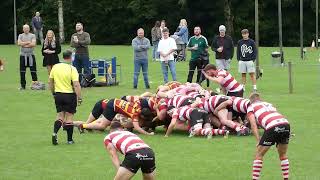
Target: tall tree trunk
[
  {"x": 228, "y": 17},
  {"x": 60, "y": 18}
]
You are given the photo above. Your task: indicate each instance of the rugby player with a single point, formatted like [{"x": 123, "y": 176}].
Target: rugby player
[
  {"x": 228, "y": 83},
  {"x": 276, "y": 131},
  {"x": 137, "y": 153},
  {"x": 130, "y": 109}
]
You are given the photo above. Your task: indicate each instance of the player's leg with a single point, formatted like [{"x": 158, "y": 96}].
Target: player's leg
[
  {"x": 100, "y": 124},
  {"x": 223, "y": 117},
  {"x": 253, "y": 80},
  {"x": 149, "y": 176},
  {"x": 68, "y": 126},
  {"x": 244, "y": 78},
  {"x": 123, "y": 174},
  {"x": 282, "y": 151},
  {"x": 258, "y": 162}
]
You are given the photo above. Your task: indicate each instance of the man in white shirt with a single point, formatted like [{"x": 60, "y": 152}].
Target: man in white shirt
[{"x": 166, "y": 48}]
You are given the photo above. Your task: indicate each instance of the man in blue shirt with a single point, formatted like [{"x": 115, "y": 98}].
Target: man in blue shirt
[{"x": 246, "y": 55}]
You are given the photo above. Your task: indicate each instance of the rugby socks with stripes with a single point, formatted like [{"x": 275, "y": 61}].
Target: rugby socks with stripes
[
  {"x": 256, "y": 169},
  {"x": 206, "y": 131},
  {"x": 69, "y": 128},
  {"x": 218, "y": 132},
  {"x": 57, "y": 125},
  {"x": 285, "y": 168}
]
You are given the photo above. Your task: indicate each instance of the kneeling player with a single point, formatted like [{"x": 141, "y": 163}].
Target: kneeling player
[
  {"x": 114, "y": 106},
  {"x": 277, "y": 131},
  {"x": 137, "y": 153},
  {"x": 198, "y": 121}
]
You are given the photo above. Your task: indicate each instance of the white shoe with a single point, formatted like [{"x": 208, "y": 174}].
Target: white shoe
[
  {"x": 226, "y": 134},
  {"x": 192, "y": 133},
  {"x": 209, "y": 136}
]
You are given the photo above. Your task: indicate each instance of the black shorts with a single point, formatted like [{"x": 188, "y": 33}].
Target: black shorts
[
  {"x": 66, "y": 102},
  {"x": 109, "y": 112},
  {"x": 236, "y": 94},
  {"x": 198, "y": 116},
  {"x": 236, "y": 115},
  {"x": 279, "y": 134},
  {"x": 97, "y": 109},
  {"x": 141, "y": 158},
  {"x": 187, "y": 101}
]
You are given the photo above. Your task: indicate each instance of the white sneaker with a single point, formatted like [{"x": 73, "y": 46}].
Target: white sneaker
[
  {"x": 226, "y": 134},
  {"x": 192, "y": 133},
  {"x": 209, "y": 136}
]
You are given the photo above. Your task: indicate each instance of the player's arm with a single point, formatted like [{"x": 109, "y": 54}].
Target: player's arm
[
  {"x": 196, "y": 103},
  {"x": 254, "y": 127},
  {"x": 137, "y": 127},
  {"x": 171, "y": 126},
  {"x": 223, "y": 106},
  {"x": 214, "y": 79},
  {"x": 147, "y": 94},
  {"x": 113, "y": 155}
]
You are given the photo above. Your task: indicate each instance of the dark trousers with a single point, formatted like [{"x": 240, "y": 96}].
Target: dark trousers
[
  {"x": 192, "y": 66},
  {"x": 81, "y": 61},
  {"x": 202, "y": 77},
  {"x": 24, "y": 63}
]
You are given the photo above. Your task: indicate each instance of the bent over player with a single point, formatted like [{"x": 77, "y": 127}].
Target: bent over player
[
  {"x": 276, "y": 131},
  {"x": 137, "y": 153}
]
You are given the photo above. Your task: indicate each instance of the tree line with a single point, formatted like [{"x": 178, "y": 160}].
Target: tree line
[{"x": 116, "y": 21}]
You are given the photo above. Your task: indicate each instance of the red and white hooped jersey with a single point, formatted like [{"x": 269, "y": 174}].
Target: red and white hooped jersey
[
  {"x": 182, "y": 113},
  {"x": 193, "y": 94},
  {"x": 229, "y": 82},
  {"x": 177, "y": 100},
  {"x": 266, "y": 115},
  {"x": 240, "y": 104},
  {"x": 124, "y": 141},
  {"x": 212, "y": 103}
]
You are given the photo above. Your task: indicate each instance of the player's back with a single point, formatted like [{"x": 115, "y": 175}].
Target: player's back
[
  {"x": 266, "y": 115},
  {"x": 126, "y": 108},
  {"x": 125, "y": 141}
]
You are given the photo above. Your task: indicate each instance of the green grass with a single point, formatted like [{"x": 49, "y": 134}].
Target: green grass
[{"x": 27, "y": 117}]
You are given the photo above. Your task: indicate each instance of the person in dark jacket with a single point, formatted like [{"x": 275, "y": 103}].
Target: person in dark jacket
[
  {"x": 222, "y": 45},
  {"x": 50, "y": 50},
  {"x": 246, "y": 55}
]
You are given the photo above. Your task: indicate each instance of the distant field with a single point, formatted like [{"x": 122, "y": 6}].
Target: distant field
[{"x": 27, "y": 117}]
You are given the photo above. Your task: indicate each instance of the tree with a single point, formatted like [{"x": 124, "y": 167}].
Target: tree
[
  {"x": 228, "y": 17},
  {"x": 60, "y": 18}
]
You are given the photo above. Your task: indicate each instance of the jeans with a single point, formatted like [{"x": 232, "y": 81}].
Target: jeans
[
  {"x": 192, "y": 67},
  {"x": 81, "y": 61},
  {"x": 39, "y": 35},
  {"x": 138, "y": 64},
  {"x": 172, "y": 66},
  {"x": 155, "y": 53}
]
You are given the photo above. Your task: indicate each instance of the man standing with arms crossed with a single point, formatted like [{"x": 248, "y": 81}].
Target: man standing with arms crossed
[
  {"x": 80, "y": 41},
  {"x": 246, "y": 55},
  {"x": 140, "y": 46},
  {"x": 65, "y": 87},
  {"x": 27, "y": 41}
]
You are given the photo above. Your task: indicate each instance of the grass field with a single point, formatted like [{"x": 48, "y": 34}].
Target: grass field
[{"x": 27, "y": 117}]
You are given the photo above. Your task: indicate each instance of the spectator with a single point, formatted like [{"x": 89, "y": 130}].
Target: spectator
[
  {"x": 80, "y": 41},
  {"x": 223, "y": 46},
  {"x": 156, "y": 36},
  {"x": 183, "y": 33},
  {"x": 37, "y": 26},
  {"x": 140, "y": 46},
  {"x": 246, "y": 55},
  {"x": 50, "y": 50},
  {"x": 162, "y": 26},
  {"x": 65, "y": 87},
  {"x": 27, "y": 41},
  {"x": 197, "y": 45},
  {"x": 166, "y": 48}
]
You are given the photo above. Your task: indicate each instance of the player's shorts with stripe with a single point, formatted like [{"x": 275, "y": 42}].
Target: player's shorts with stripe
[
  {"x": 97, "y": 109},
  {"x": 66, "y": 102},
  {"x": 236, "y": 93},
  {"x": 198, "y": 116},
  {"x": 187, "y": 101},
  {"x": 142, "y": 158},
  {"x": 277, "y": 135}
]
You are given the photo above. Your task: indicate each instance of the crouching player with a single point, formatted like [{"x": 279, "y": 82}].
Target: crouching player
[
  {"x": 276, "y": 131},
  {"x": 198, "y": 121},
  {"x": 137, "y": 153}
]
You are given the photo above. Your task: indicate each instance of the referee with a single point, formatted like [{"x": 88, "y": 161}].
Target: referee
[{"x": 65, "y": 87}]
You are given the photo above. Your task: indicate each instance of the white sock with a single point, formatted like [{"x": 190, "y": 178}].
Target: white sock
[{"x": 255, "y": 87}]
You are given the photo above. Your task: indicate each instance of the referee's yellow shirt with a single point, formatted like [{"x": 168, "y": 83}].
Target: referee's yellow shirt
[{"x": 63, "y": 74}]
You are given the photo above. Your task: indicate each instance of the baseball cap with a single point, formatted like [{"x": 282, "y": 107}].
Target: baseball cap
[{"x": 222, "y": 28}]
